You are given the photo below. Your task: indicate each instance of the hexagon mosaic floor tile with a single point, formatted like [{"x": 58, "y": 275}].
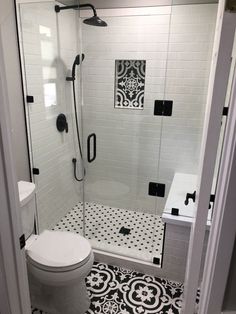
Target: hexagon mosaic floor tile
[{"x": 121, "y": 231}]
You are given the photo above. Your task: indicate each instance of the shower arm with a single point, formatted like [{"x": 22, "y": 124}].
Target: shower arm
[{"x": 86, "y": 5}]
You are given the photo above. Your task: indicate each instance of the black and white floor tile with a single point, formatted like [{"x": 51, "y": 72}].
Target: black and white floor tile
[
  {"x": 115, "y": 290},
  {"x": 103, "y": 225}
]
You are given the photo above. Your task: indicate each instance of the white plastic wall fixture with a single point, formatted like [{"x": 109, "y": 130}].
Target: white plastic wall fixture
[{"x": 26, "y": 192}]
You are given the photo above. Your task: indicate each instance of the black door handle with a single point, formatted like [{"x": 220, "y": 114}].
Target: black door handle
[{"x": 90, "y": 137}]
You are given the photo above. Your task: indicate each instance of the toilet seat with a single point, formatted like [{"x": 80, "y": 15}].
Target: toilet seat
[{"x": 58, "y": 251}]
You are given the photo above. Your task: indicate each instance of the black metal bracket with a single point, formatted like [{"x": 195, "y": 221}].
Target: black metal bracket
[
  {"x": 175, "y": 211},
  {"x": 156, "y": 260},
  {"x": 225, "y": 111},
  {"x": 35, "y": 171},
  {"x": 163, "y": 107},
  {"x": 22, "y": 241},
  {"x": 29, "y": 99},
  {"x": 212, "y": 200},
  {"x": 156, "y": 189}
]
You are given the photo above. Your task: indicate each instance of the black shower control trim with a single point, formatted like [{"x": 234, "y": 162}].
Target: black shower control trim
[
  {"x": 163, "y": 107},
  {"x": 61, "y": 123},
  {"x": 35, "y": 171},
  {"x": 29, "y": 99},
  {"x": 156, "y": 189}
]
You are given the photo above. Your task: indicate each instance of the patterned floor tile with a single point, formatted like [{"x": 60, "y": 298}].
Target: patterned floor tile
[
  {"x": 103, "y": 225},
  {"x": 115, "y": 290}
]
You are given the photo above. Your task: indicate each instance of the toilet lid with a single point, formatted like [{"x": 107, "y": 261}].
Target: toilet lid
[{"x": 59, "y": 249}]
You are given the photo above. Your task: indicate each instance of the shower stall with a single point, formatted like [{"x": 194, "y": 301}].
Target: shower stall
[{"x": 139, "y": 111}]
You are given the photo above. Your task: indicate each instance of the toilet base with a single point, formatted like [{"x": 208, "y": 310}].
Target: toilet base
[{"x": 59, "y": 300}]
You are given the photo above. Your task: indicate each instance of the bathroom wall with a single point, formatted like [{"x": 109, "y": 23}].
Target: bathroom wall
[
  {"x": 48, "y": 54},
  {"x": 135, "y": 147},
  {"x": 105, "y": 4}
]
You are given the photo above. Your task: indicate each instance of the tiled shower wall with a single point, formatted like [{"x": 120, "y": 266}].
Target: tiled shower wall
[
  {"x": 48, "y": 54},
  {"x": 133, "y": 146}
]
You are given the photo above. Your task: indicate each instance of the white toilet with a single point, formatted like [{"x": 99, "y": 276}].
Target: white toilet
[{"x": 57, "y": 262}]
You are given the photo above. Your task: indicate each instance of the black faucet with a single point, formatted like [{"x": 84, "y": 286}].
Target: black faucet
[{"x": 190, "y": 196}]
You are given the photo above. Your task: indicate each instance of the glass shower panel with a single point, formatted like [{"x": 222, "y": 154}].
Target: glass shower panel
[
  {"x": 189, "y": 59},
  {"x": 192, "y": 31},
  {"x": 123, "y": 74},
  {"x": 47, "y": 54}
]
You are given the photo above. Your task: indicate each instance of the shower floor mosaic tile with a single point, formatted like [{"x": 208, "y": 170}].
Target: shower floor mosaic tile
[
  {"x": 115, "y": 290},
  {"x": 142, "y": 235}
]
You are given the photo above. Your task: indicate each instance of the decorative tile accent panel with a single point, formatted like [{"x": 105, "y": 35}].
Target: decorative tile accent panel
[{"x": 129, "y": 84}]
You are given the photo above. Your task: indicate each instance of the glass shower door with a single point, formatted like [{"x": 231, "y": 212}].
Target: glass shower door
[
  {"x": 123, "y": 75},
  {"x": 47, "y": 54}
]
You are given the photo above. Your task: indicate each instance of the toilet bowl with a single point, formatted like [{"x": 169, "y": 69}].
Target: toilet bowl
[{"x": 57, "y": 261}]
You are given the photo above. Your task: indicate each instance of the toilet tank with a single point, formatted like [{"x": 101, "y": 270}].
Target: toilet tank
[{"x": 27, "y": 206}]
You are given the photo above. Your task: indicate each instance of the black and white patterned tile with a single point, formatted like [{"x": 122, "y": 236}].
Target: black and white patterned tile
[
  {"x": 115, "y": 290},
  {"x": 130, "y": 83},
  {"x": 103, "y": 225}
]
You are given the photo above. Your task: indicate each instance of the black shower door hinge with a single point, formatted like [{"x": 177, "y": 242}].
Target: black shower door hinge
[
  {"x": 156, "y": 189},
  {"x": 35, "y": 171},
  {"x": 29, "y": 99},
  {"x": 163, "y": 107},
  {"x": 22, "y": 241}
]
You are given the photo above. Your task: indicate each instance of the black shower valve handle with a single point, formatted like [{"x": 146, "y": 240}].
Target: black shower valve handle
[{"x": 61, "y": 123}]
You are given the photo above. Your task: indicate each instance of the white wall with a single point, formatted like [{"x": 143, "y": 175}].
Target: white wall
[
  {"x": 130, "y": 142},
  {"x": 104, "y": 4},
  {"x": 47, "y": 58}
]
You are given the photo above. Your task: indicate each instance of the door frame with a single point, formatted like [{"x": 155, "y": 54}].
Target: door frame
[
  {"x": 14, "y": 290},
  {"x": 218, "y": 82},
  {"x": 223, "y": 231}
]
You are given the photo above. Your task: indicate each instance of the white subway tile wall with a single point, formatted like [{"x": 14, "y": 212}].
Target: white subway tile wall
[
  {"x": 48, "y": 54},
  {"x": 135, "y": 147}
]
